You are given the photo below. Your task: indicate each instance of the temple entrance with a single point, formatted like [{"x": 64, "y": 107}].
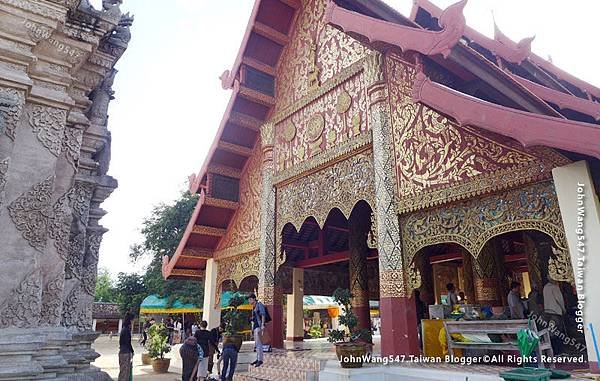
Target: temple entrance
[
  {"x": 483, "y": 282},
  {"x": 320, "y": 259}
]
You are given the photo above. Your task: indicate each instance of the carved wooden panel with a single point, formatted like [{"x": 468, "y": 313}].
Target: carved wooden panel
[{"x": 439, "y": 161}]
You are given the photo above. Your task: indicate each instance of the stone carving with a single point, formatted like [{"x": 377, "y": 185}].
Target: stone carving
[
  {"x": 60, "y": 224},
  {"x": 122, "y": 31},
  {"x": 52, "y": 301},
  {"x": 31, "y": 211},
  {"x": 75, "y": 256},
  {"x": 73, "y": 316},
  {"x": 11, "y": 107},
  {"x": 22, "y": 309},
  {"x": 315, "y": 127},
  {"x": 3, "y": 172},
  {"x": 42, "y": 10},
  {"x": 340, "y": 186},
  {"x": 268, "y": 260},
  {"x": 79, "y": 198},
  {"x": 72, "y": 145},
  {"x": 473, "y": 222},
  {"x": 48, "y": 124},
  {"x": 101, "y": 98}
]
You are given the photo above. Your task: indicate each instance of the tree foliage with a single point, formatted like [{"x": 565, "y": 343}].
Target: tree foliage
[
  {"x": 131, "y": 291},
  {"x": 105, "y": 288},
  {"x": 162, "y": 231}
]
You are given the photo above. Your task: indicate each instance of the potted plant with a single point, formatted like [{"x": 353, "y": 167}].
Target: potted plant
[
  {"x": 158, "y": 345},
  {"x": 351, "y": 343},
  {"x": 234, "y": 320}
]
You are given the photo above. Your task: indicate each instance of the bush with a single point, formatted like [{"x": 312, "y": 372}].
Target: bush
[
  {"x": 347, "y": 318},
  {"x": 158, "y": 341},
  {"x": 315, "y": 332}
]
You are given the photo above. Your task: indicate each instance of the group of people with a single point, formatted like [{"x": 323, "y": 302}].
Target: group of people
[{"x": 199, "y": 348}]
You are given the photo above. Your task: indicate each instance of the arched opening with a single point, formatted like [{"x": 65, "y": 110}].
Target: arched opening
[{"x": 319, "y": 259}]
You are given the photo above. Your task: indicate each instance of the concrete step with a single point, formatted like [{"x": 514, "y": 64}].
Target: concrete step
[{"x": 293, "y": 361}]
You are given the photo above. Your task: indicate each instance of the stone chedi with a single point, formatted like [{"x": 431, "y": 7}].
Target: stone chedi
[{"x": 57, "y": 62}]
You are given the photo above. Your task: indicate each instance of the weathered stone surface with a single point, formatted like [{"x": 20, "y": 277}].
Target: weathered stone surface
[{"x": 54, "y": 159}]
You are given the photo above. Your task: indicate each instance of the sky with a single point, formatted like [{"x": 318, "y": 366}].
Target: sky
[{"x": 169, "y": 101}]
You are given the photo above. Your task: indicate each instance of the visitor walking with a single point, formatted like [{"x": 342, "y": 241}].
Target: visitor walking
[
  {"x": 190, "y": 357},
  {"x": 229, "y": 358},
  {"x": 203, "y": 336},
  {"x": 259, "y": 319},
  {"x": 125, "y": 350}
]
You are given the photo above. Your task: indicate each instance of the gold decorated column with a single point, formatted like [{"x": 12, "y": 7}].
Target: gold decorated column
[
  {"x": 269, "y": 292},
  {"x": 397, "y": 311}
]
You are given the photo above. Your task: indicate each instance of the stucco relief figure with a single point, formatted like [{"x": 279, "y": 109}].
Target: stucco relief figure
[{"x": 101, "y": 98}]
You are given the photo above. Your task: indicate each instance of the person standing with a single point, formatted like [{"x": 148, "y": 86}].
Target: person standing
[
  {"x": 517, "y": 310},
  {"x": 203, "y": 336},
  {"x": 452, "y": 299},
  {"x": 189, "y": 356},
  {"x": 215, "y": 336},
  {"x": 259, "y": 319},
  {"x": 535, "y": 302},
  {"x": 125, "y": 350},
  {"x": 229, "y": 359},
  {"x": 554, "y": 308}
]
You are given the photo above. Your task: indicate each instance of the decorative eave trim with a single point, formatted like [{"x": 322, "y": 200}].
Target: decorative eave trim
[
  {"x": 561, "y": 99},
  {"x": 234, "y": 148},
  {"x": 208, "y": 230},
  {"x": 187, "y": 273},
  {"x": 233, "y": 251},
  {"x": 325, "y": 158},
  {"x": 528, "y": 128},
  {"x": 224, "y": 171},
  {"x": 245, "y": 121},
  {"x": 220, "y": 203},
  {"x": 407, "y": 38},
  {"x": 256, "y": 96},
  {"x": 196, "y": 254}
]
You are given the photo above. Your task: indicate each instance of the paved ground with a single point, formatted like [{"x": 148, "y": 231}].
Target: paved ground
[{"x": 109, "y": 360}]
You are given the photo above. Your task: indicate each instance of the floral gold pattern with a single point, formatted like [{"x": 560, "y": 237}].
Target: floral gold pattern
[
  {"x": 473, "y": 222},
  {"x": 344, "y": 101},
  {"x": 340, "y": 185},
  {"x": 439, "y": 161},
  {"x": 236, "y": 269}
]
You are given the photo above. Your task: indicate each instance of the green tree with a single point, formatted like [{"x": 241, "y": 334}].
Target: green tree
[
  {"x": 162, "y": 231},
  {"x": 105, "y": 288},
  {"x": 131, "y": 291}
]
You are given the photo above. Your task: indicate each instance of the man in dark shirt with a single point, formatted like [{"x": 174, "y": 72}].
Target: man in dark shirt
[
  {"x": 203, "y": 336},
  {"x": 215, "y": 336},
  {"x": 125, "y": 349}
]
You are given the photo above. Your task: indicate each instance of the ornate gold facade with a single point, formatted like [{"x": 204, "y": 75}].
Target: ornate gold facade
[
  {"x": 474, "y": 222},
  {"x": 438, "y": 161}
]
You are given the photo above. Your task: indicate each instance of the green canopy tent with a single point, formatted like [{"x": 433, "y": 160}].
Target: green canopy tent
[
  {"x": 154, "y": 304},
  {"x": 226, "y": 297}
]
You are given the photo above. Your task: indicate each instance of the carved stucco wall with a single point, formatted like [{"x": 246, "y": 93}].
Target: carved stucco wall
[{"x": 54, "y": 156}]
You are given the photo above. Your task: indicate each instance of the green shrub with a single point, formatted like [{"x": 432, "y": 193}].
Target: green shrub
[
  {"x": 234, "y": 318},
  {"x": 158, "y": 341},
  {"x": 315, "y": 332}
]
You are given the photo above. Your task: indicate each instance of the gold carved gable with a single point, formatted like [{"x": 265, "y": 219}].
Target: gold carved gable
[
  {"x": 340, "y": 185},
  {"x": 244, "y": 230},
  {"x": 316, "y": 53},
  {"x": 439, "y": 161}
]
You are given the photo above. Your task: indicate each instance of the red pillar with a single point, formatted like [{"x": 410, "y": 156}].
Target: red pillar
[
  {"x": 275, "y": 327},
  {"x": 272, "y": 299},
  {"x": 399, "y": 335}
]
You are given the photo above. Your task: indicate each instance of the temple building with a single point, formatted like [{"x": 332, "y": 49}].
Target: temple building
[
  {"x": 57, "y": 62},
  {"x": 382, "y": 153}
]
